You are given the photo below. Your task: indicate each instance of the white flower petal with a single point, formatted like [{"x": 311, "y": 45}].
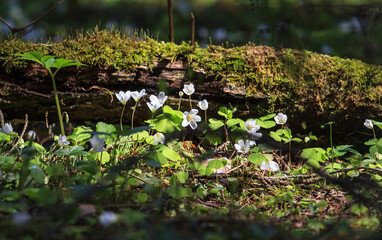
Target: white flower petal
[
  {"x": 194, "y": 111},
  {"x": 107, "y": 218},
  {"x": 264, "y": 166},
  {"x": 185, "y": 123},
  {"x": 197, "y": 118},
  {"x": 368, "y": 123},
  {"x": 193, "y": 125},
  {"x": 273, "y": 166}
]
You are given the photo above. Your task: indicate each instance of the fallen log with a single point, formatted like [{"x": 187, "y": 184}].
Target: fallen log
[{"x": 310, "y": 87}]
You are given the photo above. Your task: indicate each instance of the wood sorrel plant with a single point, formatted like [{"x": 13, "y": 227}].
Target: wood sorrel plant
[{"x": 50, "y": 62}]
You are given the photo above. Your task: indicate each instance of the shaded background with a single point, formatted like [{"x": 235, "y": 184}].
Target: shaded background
[{"x": 350, "y": 28}]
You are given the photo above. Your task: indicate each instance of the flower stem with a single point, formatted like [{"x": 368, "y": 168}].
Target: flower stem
[
  {"x": 57, "y": 103},
  {"x": 120, "y": 120},
  {"x": 132, "y": 117},
  {"x": 331, "y": 145},
  {"x": 189, "y": 96},
  {"x": 152, "y": 119},
  {"x": 180, "y": 101},
  {"x": 376, "y": 154},
  {"x": 205, "y": 115}
]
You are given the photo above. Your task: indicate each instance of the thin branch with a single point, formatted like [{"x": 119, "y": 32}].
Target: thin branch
[
  {"x": 15, "y": 30},
  {"x": 1, "y": 119},
  {"x": 20, "y": 137},
  {"x": 192, "y": 29},
  {"x": 171, "y": 25}
]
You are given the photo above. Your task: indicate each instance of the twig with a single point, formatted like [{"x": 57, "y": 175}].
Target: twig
[
  {"x": 171, "y": 25},
  {"x": 192, "y": 29},
  {"x": 1, "y": 119},
  {"x": 21, "y": 136},
  {"x": 140, "y": 179},
  {"x": 15, "y": 30}
]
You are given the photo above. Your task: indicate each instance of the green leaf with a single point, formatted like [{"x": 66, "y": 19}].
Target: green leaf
[
  {"x": 4, "y": 137},
  {"x": 156, "y": 156},
  {"x": 296, "y": 140},
  {"x": 106, "y": 128},
  {"x": 168, "y": 121},
  {"x": 182, "y": 176},
  {"x": 43, "y": 196},
  {"x": 38, "y": 175},
  {"x": 223, "y": 111},
  {"x": 358, "y": 209},
  {"x": 287, "y": 133},
  {"x": 234, "y": 121},
  {"x": 62, "y": 63},
  {"x": 214, "y": 138},
  {"x": 76, "y": 150},
  {"x": 257, "y": 158},
  {"x": 216, "y": 164},
  {"x": 275, "y": 136},
  {"x": 104, "y": 156},
  {"x": 311, "y": 163},
  {"x": 89, "y": 166},
  {"x": 80, "y": 135},
  {"x": 32, "y": 56},
  {"x": 267, "y": 117},
  {"x": 371, "y": 142},
  {"x": 265, "y": 124},
  {"x": 353, "y": 173},
  {"x": 215, "y": 124},
  {"x": 140, "y": 135},
  {"x": 177, "y": 192},
  {"x": 170, "y": 154}
]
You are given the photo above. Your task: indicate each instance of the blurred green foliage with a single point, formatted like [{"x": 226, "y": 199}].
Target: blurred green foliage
[{"x": 342, "y": 28}]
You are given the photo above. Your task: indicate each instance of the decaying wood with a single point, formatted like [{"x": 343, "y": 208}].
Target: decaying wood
[{"x": 86, "y": 92}]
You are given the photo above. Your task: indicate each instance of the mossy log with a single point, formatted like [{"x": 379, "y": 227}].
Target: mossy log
[{"x": 310, "y": 87}]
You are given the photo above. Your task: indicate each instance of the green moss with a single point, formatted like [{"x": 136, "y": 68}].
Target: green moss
[{"x": 286, "y": 77}]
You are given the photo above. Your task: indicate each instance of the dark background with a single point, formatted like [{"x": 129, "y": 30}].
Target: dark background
[{"x": 350, "y": 28}]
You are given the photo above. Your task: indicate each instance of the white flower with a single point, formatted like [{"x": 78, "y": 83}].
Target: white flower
[
  {"x": 190, "y": 118},
  {"x": 154, "y": 106},
  {"x": 7, "y": 128},
  {"x": 20, "y": 218},
  {"x": 137, "y": 95},
  {"x": 97, "y": 143},
  {"x": 272, "y": 165},
  {"x": 107, "y": 218},
  {"x": 181, "y": 94},
  {"x": 189, "y": 89},
  {"x": 157, "y": 102},
  {"x": 123, "y": 97},
  {"x": 62, "y": 140},
  {"x": 368, "y": 123},
  {"x": 31, "y": 135},
  {"x": 281, "y": 118},
  {"x": 242, "y": 147},
  {"x": 161, "y": 97},
  {"x": 159, "y": 138},
  {"x": 34, "y": 167},
  {"x": 203, "y": 104},
  {"x": 252, "y": 128}
]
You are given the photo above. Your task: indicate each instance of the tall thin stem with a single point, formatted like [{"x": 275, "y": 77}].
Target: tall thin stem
[
  {"x": 132, "y": 117},
  {"x": 180, "y": 102},
  {"x": 120, "y": 120},
  {"x": 376, "y": 154},
  {"x": 205, "y": 115},
  {"x": 57, "y": 103},
  {"x": 189, "y": 97}
]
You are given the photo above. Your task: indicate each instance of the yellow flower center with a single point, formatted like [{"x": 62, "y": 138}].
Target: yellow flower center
[{"x": 190, "y": 118}]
